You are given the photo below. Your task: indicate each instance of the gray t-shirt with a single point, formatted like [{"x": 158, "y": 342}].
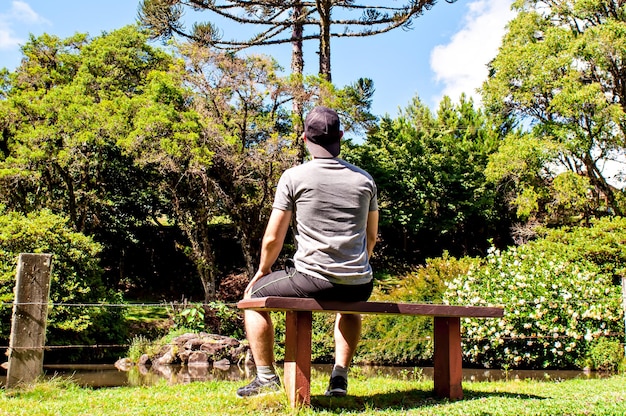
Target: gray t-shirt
[{"x": 331, "y": 200}]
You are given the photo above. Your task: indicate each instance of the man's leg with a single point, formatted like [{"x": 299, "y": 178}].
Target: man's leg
[
  {"x": 347, "y": 336},
  {"x": 260, "y": 334}
]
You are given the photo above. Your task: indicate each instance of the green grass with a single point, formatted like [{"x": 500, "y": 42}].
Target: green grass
[
  {"x": 372, "y": 396},
  {"x": 147, "y": 314}
]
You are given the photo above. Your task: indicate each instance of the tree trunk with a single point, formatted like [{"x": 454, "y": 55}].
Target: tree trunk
[
  {"x": 297, "y": 68},
  {"x": 195, "y": 226},
  {"x": 297, "y": 56},
  {"x": 250, "y": 255},
  {"x": 324, "y": 8},
  {"x": 602, "y": 186}
]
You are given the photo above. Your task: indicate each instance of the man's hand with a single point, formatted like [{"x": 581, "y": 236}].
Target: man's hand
[{"x": 248, "y": 292}]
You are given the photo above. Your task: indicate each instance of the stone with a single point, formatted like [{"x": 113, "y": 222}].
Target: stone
[
  {"x": 198, "y": 358},
  {"x": 144, "y": 361},
  {"x": 124, "y": 364},
  {"x": 222, "y": 364},
  {"x": 197, "y": 350}
]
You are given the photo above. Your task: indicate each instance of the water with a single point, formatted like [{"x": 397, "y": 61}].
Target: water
[{"x": 105, "y": 375}]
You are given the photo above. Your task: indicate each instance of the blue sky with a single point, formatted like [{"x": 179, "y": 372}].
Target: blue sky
[{"x": 444, "y": 54}]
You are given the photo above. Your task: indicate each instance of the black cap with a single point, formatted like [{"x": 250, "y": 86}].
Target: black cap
[{"x": 323, "y": 132}]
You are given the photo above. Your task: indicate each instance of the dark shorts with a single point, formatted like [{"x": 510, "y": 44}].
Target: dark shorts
[{"x": 292, "y": 283}]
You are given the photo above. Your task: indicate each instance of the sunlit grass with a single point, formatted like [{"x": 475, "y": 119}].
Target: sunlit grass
[
  {"x": 374, "y": 395},
  {"x": 145, "y": 313}
]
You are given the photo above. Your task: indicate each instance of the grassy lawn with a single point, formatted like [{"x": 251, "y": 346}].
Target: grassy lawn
[
  {"x": 372, "y": 396},
  {"x": 152, "y": 321}
]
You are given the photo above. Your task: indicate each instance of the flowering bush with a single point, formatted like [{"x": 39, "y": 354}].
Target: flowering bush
[{"x": 560, "y": 293}]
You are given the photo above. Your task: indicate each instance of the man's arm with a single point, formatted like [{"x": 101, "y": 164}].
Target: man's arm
[
  {"x": 272, "y": 244},
  {"x": 371, "y": 232}
]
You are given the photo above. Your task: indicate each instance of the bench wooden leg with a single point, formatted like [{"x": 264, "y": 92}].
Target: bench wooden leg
[
  {"x": 448, "y": 359},
  {"x": 297, "y": 376}
]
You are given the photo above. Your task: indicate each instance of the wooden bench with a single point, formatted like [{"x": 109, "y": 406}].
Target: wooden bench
[{"x": 299, "y": 317}]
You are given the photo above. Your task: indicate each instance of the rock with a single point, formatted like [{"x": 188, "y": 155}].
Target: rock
[
  {"x": 239, "y": 353},
  {"x": 168, "y": 358},
  {"x": 197, "y": 350},
  {"x": 124, "y": 364},
  {"x": 194, "y": 344},
  {"x": 183, "y": 356},
  {"x": 144, "y": 361},
  {"x": 223, "y": 364},
  {"x": 198, "y": 358}
]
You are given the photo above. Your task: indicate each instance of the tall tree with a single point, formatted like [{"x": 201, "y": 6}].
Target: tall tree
[
  {"x": 219, "y": 146},
  {"x": 284, "y": 22},
  {"x": 562, "y": 70},
  {"x": 276, "y": 17},
  {"x": 65, "y": 109}
]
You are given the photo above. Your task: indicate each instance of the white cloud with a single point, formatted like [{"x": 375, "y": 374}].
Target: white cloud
[
  {"x": 20, "y": 13},
  {"x": 23, "y": 13},
  {"x": 460, "y": 65}
]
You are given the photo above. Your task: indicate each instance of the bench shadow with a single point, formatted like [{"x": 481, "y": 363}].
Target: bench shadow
[{"x": 401, "y": 400}]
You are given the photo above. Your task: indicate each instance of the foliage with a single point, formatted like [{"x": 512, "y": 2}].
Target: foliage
[
  {"x": 215, "y": 317},
  {"x": 224, "y": 320},
  {"x": 560, "y": 293},
  {"x": 191, "y": 317},
  {"x": 606, "y": 354},
  {"x": 406, "y": 340},
  {"x": 75, "y": 279},
  {"x": 68, "y": 104},
  {"x": 560, "y": 71},
  {"x": 214, "y": 132},
  {"x": 66, "y": 108},
  {"x": 138, "y": 346},
  {"x": 429, "y": 169}
]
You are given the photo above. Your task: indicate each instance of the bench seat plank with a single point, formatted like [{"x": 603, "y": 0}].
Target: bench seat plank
[{"x": 274, "y": 303}]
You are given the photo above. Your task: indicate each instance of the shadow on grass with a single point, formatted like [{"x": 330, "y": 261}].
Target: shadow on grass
[{"x": 401, "y": 400}]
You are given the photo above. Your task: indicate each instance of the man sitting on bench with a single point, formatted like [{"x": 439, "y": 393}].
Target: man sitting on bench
[{"x": 335, "y": 209}]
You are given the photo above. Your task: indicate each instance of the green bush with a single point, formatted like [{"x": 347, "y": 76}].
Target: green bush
[
  {"x": 189, "y": 316},
  {"x": 561, "y": 293},
  {"x": 605, "y": 355},
  {"x": 402, "y": 340},
  {"x": 75, "y": 280},
  {"x": 214, "y": 317}
]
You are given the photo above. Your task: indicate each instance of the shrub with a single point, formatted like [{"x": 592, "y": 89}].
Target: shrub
[
  {"x": 402, "y": 340},
  {"x": 605, "y": 355},
  {"x": 215, "y": 317},
  {"x": 560, "y": 294},
  {"x": 75, "y": 279}
]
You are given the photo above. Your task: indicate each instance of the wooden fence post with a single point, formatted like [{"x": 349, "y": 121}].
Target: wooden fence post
[
  {"x": 624, "y": 306},
  {"x": 28, "y": 324}
]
